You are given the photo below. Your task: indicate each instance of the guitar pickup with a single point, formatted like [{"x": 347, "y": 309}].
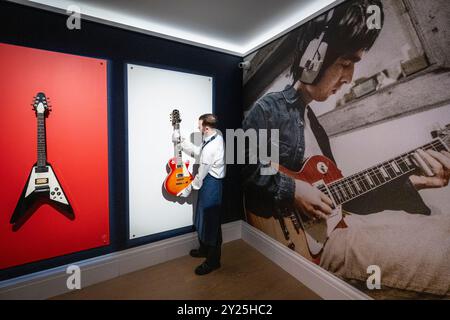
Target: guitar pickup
[
  {"x": 42, "y": 188},
  {"x": 41, "y": 181}
]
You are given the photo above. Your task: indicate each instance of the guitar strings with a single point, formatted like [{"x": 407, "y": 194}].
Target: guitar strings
[{"x": 347, "y": 187}]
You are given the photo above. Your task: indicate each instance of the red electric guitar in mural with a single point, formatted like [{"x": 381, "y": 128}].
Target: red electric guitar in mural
[
  {"x": 323, "y": 173},
  {"x": 42, "y": 185},
  {"x": 179, "y": 177}
]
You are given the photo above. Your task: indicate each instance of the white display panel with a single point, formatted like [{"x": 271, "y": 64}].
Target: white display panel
[{"x": 152, "y": 95}]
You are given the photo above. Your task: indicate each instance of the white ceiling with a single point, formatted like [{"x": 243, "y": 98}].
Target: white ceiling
[{"x": 233, "y": 26}]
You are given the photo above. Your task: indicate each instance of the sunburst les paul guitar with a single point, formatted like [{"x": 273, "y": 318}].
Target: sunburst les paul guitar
[
  {"x": 179, "y": 176},
  {"x": 307, "y": 235},
  {"x": 42, "y": 185}
]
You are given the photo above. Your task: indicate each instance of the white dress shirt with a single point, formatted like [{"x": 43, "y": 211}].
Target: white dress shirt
[{"x": 211, "y": 158}]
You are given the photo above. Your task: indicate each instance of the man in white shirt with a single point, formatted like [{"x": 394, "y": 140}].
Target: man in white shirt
[{"x": 208, "y": 182}]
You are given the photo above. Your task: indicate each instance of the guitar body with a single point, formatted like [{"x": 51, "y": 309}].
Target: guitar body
[
  {"x": 179, "y": 177},
  {"x": 42, "y": 187},
  {"x": 306, "y": 235},
  {"x": 271, "y": 227}
]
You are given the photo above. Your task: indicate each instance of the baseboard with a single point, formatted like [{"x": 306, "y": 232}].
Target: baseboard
[
  {"x": 52, "y": 282},
  {"x": 322, "y": 282}
]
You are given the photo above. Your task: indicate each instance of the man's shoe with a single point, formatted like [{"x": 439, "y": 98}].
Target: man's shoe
[
  {"x": 197, "y": 253},
  {"x": 204, "y": 268}
]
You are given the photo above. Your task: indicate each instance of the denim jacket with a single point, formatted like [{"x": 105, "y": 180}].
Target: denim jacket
[{"x": 273, "y": 195}]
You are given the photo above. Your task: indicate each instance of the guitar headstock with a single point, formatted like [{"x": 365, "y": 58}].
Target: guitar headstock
[
  {"x": 41, "y": 104},
  {"x": 175, "y": 117},
  {"x": 443, "y": 134}
]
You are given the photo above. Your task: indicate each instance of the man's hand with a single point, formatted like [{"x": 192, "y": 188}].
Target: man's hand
[
  {"x": 185, "y": 192},
  {"x": 176, "y": 137},
  {"x": 311, "y": 200},
  {"x": 439, "y": 163}
]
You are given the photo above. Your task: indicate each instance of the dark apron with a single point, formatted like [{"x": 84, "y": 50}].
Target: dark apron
[{"x": 208, "y": 212}]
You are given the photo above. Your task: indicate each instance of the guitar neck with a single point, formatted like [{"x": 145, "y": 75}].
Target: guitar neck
[
  {"x": 41, "y": 143},
  {"x": 356, "y": 185},
  {"x": 177, "y": 148}
]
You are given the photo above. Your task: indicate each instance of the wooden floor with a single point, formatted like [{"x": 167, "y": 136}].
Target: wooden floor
[{"x": 245, "y": 274}]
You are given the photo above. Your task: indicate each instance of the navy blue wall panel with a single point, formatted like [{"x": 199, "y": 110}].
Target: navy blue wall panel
[{"x": 31, "y": 27}]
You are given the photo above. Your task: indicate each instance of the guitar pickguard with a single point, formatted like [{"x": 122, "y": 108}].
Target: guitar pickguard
[
  {"x": 318, "y": 231},
  {"x": 46, "y": 181}
]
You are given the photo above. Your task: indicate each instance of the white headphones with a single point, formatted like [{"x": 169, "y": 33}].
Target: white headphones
[{"x": 314, "y": 55}]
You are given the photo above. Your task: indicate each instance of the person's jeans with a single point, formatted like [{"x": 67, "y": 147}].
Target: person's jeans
[
  {"x": 213, "y": 253},
  {"x": 213, "y": 256}
]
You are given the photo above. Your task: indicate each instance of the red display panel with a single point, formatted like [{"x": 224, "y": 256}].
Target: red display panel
[{"x": 77, "y": 149}]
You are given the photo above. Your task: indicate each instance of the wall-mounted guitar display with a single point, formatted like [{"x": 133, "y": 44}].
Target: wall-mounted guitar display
[
  {"x": 42, "y": 185},
  {"x": 179, "y": 177}
]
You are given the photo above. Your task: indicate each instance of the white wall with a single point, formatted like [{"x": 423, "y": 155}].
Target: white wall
[
  {"x": 363, "y": 148},
  {"x": 152, "y": 95}
]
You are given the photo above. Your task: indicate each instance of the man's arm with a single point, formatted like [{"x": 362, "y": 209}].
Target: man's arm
[
  {"x": 197, "y": 183},
  {"x": 207, "y": 158},
  {"x": 265, "y": 195},
  {"x": 190, "y": 148},
  {"x": 206, "y": 161}
]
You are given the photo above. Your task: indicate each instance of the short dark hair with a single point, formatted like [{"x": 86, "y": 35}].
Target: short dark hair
[
  {"x": 209, "y": 120},
  {"x": 346, "y": 33}
]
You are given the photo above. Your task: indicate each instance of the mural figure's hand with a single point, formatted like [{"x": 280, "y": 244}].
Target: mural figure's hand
[
  {"x": 439, "y": 163},
  {"x": 311, "y": 200}
]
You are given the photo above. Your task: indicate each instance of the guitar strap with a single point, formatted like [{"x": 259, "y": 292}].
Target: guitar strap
[
  {"x": 206, "y": 142},
  {"x": 320, "y": 134}
]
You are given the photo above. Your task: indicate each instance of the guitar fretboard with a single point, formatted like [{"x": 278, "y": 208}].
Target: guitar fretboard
[
  {"x": 41, "y": 143},
  {"x": 177, "y": 149},
  {"x": 351, "y": 187}
]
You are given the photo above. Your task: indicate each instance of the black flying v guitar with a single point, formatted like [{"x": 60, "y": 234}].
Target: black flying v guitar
[{"x": 42, "y": 185}]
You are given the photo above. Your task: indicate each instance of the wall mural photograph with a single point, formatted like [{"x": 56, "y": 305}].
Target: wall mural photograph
[{"x": 360, "y": 97}]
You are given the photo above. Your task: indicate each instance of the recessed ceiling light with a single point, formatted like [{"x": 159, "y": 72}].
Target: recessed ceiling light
[{"x": 101, "y": 14}]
